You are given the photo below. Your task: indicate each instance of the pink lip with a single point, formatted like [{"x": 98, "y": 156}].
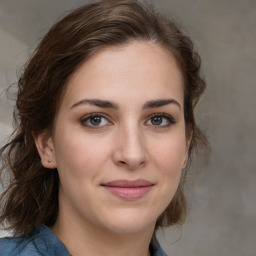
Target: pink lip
[{"x": 129, "y": 189}]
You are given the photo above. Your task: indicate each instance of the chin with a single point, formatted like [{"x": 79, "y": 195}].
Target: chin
[{"x": 128, "y": 222}]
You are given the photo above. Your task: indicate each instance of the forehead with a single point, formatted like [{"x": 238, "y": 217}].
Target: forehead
[{"x": 138, "y": 68}]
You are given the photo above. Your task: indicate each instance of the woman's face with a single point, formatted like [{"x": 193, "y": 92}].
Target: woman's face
[{"x": 119, "y": 139}]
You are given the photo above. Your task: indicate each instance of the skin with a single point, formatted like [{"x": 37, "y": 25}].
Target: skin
[{"x": 127, "y": 143}]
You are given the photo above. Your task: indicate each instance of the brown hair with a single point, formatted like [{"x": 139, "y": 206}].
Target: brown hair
[{"x": 32, "y": 196}]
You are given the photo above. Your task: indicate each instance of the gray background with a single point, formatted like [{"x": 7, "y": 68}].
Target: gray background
[{"x": 222, "y": 216}]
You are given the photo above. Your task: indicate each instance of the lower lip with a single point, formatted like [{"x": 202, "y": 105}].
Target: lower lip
[{"x": 129, "y": 193}]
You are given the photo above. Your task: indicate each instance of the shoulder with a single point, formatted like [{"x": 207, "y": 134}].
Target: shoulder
[
  {"x": 17, "y": 246},
  {"x": 42, "y": 243},
  {"x": 160, "y": 252},
  {"x": 155, "y": 248}
]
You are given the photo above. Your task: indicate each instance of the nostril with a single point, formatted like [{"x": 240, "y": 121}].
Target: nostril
[{"x": 131, "y": 165}]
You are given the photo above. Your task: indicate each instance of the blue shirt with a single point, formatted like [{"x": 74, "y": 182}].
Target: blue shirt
[{"x": 45, "y": 243}]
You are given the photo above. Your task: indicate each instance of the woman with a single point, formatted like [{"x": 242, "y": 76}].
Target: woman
[{"x": 105, "y": 133}]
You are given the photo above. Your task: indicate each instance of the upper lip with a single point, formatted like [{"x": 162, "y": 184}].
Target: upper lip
[{"x": 128, "y": 183}]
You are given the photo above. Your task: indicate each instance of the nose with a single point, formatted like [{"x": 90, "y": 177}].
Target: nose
[{"x": 130, "y": 151}]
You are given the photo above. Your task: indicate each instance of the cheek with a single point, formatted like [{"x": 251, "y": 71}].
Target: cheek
[
  {"x": 79, "y": 155},
  {"x": 168, "y": 158},
  {"x": 78, "y": 163},
  {"x": 169, "y": 154}
]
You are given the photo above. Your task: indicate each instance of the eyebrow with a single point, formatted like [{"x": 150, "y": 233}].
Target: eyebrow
[
  {"x": 160, "y": 103},
  {"x": 96, "y": 102},
  {"x": 108, "y": 104}
]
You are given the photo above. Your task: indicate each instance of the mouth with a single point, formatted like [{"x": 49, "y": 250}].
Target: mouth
[{"x": 129, "y": 189}]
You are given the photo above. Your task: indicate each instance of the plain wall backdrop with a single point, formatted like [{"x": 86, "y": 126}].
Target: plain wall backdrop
[{"x": 222, "y": 215}]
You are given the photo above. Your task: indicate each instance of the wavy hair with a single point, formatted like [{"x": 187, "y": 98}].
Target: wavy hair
[{"x": 31, "y": 198}]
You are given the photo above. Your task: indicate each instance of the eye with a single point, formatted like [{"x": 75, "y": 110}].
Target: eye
[
  {"x": 95, "y": 121},
  {"x": 161, "y": 120}
]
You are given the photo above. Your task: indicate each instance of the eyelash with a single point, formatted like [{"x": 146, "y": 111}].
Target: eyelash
[
  {"x": 170, "y": 120},
  {"x": 90, "y": 126}
]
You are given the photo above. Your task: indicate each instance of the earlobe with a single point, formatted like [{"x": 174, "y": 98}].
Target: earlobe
[{"x": 45, "y": 147}]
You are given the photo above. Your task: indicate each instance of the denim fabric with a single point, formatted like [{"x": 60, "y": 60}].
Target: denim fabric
[{"x": 44, "y": 243}]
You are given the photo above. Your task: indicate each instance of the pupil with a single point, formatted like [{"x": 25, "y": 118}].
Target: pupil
[
  {"x": 157, "y": 120},
  {"x": 96, "y": 120}
]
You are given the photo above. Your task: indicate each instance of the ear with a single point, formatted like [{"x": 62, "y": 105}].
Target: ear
[
  {"x": 188, "y": 142},
  {"x": 45, "y": 148},
  {"x": 185, "y": 163}
]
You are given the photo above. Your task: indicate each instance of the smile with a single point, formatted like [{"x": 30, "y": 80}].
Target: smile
[{"x": 129, "y": 190}]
